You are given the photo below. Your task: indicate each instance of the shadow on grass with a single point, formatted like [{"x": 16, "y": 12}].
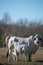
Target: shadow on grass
[
  {"x": 5, "y": 64},
  {"x": 39, "y": 61},
  {"x": 1, "y": 64}
]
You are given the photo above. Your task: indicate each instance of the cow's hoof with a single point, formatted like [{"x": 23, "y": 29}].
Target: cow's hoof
[{"x": 28, "y": 60}]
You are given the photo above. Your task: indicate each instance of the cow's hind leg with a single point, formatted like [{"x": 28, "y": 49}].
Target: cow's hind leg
[{"x": 8, "y": 55}]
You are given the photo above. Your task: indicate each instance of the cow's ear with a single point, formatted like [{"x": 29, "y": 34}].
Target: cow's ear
[{"x": 34, "y": 39}]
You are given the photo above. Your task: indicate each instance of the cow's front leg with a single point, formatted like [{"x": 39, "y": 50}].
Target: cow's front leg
[{"x": 29, "y": 58}]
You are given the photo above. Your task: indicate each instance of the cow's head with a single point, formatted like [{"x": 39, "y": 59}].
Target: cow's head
[
  {"x": 35, "y": 44},
  {"x": 37, "y": 39}
]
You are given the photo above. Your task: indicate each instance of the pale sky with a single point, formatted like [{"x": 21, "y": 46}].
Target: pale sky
[{"x": 30, "y": 9}]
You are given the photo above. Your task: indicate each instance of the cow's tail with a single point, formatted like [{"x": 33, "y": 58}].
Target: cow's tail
[{"x": 7, "y": 39}]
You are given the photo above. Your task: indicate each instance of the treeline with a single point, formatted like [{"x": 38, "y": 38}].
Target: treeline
[{"x": 21, "y": 28}]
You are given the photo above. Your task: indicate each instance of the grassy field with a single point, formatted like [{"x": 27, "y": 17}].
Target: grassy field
[{"x": 37, "y": 58}]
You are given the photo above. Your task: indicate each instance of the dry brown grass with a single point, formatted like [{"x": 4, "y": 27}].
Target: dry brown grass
[{"x": 37, "y": 57}]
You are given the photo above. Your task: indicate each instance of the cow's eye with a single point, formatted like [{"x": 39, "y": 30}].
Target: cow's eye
[{"x": 34, "y": 38}]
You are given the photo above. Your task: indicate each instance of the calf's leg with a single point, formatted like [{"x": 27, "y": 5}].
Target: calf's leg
[{"x": 27, "y": 57}]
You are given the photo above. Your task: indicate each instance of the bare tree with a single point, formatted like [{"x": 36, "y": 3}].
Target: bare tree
[{"x": 6, "y": 18}]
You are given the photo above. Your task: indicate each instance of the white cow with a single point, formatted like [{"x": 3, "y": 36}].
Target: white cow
[
  {"x": 28, "y": 46},
  {"x": 17, "y": 42}
]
